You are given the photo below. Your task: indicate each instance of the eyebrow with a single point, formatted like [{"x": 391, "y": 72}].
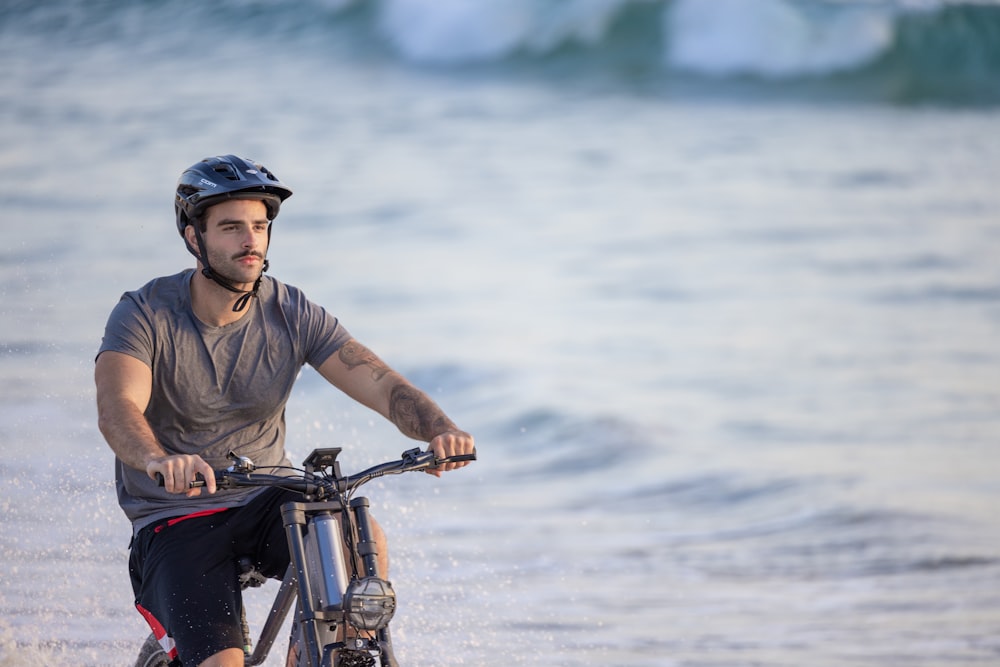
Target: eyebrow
[{"x": 237, "y": 221}]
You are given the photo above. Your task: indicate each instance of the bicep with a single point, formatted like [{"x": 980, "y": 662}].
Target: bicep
[
  {"x": 359, "y": 373},
  {"x": 121, "y": 378}
]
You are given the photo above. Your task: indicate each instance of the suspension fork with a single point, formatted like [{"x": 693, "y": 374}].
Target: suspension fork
[
  {"x": 368, "y": 550},
  {"x": 366, "y": 546}
]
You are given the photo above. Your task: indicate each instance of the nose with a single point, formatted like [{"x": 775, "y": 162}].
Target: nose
[{"x": 252, "y": 239}]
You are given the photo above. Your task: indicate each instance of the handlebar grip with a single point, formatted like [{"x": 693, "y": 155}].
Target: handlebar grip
[{"x": 193, "y": 485}]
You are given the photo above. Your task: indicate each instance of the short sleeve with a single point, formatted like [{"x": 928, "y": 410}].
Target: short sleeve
[
  {"x": 128, "y": 331},
  {"x": 326, "y": 335}
]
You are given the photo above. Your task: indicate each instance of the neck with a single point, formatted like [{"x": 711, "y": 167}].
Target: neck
[{"x": 212, "y": 303}]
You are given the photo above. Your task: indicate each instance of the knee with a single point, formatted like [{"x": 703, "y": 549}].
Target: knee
[
  {"x": 382, "y": 547},
  {"x": 232, "y": 657},
  {"x": 378, "y": 534}
]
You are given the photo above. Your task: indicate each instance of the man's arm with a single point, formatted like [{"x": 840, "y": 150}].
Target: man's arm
[
  {"x": 360, "y": 374},
  {"x": 124, "y": 385}
]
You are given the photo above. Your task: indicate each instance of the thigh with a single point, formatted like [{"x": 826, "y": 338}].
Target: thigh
[
  {"x": 259, "y": 531},
  {"x": 185, "y": 576}
]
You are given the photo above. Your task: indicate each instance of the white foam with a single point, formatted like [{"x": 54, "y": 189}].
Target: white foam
[
  {"x": 454, "y": 31},
  {"x": 773, "y": 38}
]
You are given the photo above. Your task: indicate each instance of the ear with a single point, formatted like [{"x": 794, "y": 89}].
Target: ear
[
  {"x": 192, "y": 241},
  {"x": 189, "y": 235}
]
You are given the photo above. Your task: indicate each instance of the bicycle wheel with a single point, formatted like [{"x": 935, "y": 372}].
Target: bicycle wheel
[{"x": 152, "y": 654}]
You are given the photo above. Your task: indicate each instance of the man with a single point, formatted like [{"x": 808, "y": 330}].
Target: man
[{"x": 202, "y": 362}]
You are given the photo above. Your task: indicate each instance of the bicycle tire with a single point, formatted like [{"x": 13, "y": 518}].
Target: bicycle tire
[{"x": 152, "y": 654}]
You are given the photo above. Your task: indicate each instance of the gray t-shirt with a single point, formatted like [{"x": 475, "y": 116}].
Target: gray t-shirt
[{"x": 215, "y": 389}]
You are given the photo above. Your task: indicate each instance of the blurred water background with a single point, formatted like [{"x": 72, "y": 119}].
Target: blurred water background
[{"x": 716, "y": 285}]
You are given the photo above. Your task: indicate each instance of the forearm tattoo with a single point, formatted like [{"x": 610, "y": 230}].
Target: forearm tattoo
[
  {"x": 415, "y": 414},
  {"x": 354, "y": 354}
]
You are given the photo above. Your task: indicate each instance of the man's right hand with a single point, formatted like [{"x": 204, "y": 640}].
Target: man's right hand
[{"x": 180, "y": 470}]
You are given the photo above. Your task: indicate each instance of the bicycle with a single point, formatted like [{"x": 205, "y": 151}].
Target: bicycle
[{"x": 343, "y": 607}]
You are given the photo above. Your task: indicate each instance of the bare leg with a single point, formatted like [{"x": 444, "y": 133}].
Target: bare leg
[
  {"x": 383, "y": 549},
  {"x": 231, "y": 657}
]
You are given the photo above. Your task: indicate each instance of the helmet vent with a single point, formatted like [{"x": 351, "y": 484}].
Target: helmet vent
[{"x": 227, "y": 171}]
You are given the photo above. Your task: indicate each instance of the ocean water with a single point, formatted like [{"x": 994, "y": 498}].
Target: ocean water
[{"x": 715, "y": 284}]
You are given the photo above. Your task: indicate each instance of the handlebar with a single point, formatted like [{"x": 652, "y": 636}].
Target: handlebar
[{"x": 309, "y": 482}]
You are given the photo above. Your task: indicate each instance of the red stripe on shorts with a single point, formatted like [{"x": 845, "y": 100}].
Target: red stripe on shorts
[
  {"x": 193, "y": 515},
  {"x": 165, "y": 640}
]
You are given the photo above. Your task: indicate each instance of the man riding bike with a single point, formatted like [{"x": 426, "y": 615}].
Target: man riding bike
[{"x": 201, "y": 363}]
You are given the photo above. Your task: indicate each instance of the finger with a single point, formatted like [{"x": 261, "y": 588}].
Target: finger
[
  {"x": 170, "y": 481},
  {"x": 445, "y": 448},
  {"x": 180, "y": 481},
  {"x": 206, "y": 472}
]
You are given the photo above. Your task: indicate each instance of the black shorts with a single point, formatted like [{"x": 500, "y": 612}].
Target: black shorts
[{"x": 185, "y": 573}]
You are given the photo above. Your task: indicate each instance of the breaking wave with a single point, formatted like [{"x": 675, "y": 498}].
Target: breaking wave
[{"x": 906, "y": 49}]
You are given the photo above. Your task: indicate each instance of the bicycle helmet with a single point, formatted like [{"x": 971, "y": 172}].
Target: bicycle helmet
[{"x": 216, "y": 179}]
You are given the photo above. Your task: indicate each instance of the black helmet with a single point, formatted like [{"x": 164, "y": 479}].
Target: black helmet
[{"x": 216, "y": 179}]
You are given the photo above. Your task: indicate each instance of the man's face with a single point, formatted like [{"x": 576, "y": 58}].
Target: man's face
[{"x": 236, "y": 239}]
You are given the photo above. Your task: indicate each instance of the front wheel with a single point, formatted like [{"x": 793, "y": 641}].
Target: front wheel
[{"x": 152, "y": 654}]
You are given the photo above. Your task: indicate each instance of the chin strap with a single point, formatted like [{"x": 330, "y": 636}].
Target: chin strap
[
  {"x": 210, "y": 273},
  {"x": 241, "y": 303}
]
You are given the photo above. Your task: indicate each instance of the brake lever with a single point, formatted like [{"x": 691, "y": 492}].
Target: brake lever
[{"x": 457, "y": 458}]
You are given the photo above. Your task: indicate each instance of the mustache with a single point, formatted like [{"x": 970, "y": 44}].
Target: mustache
[{"x": 249, "y": 253}]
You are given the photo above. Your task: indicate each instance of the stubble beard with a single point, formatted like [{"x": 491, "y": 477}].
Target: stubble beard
[{"x": 227, "y": 267}]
